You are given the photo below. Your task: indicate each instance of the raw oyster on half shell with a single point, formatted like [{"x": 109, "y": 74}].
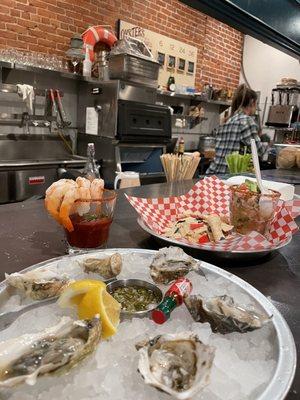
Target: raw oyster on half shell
[
  {"x": 56, "y": 349},
  {"x": 108, "y": 267},
  {"x": 177, "y": 364},
  {"x": 38, "y": 284},
  {"x": 171, "y": 263},
  {"x": 223, "y": 314}
]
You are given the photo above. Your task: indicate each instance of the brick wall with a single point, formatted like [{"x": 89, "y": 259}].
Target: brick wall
[{"x": 47, "y": 25}]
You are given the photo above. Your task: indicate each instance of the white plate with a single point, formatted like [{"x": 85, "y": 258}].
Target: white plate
[{"x": 220, "y": 253}]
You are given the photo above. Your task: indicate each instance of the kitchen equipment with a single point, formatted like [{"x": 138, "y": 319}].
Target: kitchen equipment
[
  {"x": 30, "y": 163},
  {"x": 75, "y": 54},
  {"x": 285, "y": 107},
  {"x": 129, "y": 130},
  {"x": 64, "y": 121},
  {"x": 127, "y": 179},
  {"x": 134, "y": 69},
  {"x": 102, "y": 65},
  {"x": 280, "y": 115},
  {"x": 207, "y": 146}
]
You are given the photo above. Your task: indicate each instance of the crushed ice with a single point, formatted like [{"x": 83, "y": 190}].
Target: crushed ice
[{"x": 243, "y": 365}]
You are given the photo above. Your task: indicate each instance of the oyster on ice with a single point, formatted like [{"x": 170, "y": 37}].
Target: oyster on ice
[
  {"x": 171, "y": 263},
  {"x": 39, "y": 284},
  {"x": 108, "y": 267},
  {"x": 58, "y": 349},
  {"x": 223, "y": 314},
  {"x": 178, "y": 364}
]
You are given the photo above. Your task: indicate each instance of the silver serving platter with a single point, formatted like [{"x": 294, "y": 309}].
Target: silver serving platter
[
  {"x": 219, "y": 253},
  {"x": 282, "y": 341}
]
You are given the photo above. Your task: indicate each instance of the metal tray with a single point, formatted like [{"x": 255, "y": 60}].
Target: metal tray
[
  {"x": 241, "y": 255},
  {"x": 283, "y": 341},
  {"x": 134, "y": 69}
]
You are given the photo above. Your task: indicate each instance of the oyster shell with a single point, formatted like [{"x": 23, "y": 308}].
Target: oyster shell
[
  {"x": 58, "y": 349},
  {"x": 223, "y": 314},
  {"x": 108, "y": 267},
  {"x": 39, "y": 284},
  {"x": 171, "y": 263},
  {"x": 177, "y": 364}
]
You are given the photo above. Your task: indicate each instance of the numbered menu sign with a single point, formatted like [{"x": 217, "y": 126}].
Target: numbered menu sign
[{"x": 174, "y": 56}]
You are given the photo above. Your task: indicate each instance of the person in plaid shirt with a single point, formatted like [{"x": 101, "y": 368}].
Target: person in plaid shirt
[{"x": 236, "y": 133}]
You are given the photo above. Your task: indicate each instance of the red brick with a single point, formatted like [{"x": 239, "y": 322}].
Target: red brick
[
  {"x": 15, "y": 13},
  {"x": 7, "y": 18},
  {"x": 15, "y": 28},
  {"x": 26, "y": 8},
  {"x": 7, "y": 34},
  {"x": 47, "y": 26},
  {"x": 28, "y": 39}
]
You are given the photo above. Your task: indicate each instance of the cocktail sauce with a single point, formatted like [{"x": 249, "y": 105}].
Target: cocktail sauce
[{"x": 88, "y": 233}]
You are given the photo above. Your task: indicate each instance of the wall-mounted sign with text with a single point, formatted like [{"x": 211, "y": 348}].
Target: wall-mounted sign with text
[{"x": 174, "y": 56}]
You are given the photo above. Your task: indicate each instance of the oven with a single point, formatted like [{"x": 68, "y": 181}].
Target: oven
[{"x": 129, "y": 129}]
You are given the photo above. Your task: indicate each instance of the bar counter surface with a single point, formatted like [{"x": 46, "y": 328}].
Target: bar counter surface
[{"x": 28, "y": 236}]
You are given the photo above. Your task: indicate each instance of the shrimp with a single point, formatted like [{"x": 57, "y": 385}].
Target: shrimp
[
  {"x": 83, "y": 182},
  {"x": 97, "y": 187},
  {"x": 70, "y": 197},
  {"x": 61, "y": 182},
  {"x": 85, "y": 194},
  {"x": 54, "y": 200}
]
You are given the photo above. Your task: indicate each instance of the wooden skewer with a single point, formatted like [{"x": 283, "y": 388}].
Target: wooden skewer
[{"x": 179, "y": 167}]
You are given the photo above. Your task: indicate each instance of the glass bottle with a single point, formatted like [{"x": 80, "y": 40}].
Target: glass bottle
[
  {"x": 91, "y": 170},
  {"x": 173, "y": 298},
  {"x": 171, "y": 83},
  {"x": 181, "y": 146}
]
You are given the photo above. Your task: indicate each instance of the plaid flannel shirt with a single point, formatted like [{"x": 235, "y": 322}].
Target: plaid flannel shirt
[{"x": 230, "y": 137}]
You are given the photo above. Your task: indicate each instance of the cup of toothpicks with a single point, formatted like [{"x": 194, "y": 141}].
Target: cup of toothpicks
[{"x": 180, "y": 167}]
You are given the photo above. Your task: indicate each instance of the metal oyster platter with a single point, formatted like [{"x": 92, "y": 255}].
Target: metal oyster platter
[
  {"x": 219, "y": 253},
  {"x": 279, "y": 343}
]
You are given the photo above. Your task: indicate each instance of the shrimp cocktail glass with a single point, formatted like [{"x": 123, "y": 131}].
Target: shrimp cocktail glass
[
  {"x": 91, "y": 220},
  {"x": 85, "y": 210},
  {"x": 250, "y": 210}
]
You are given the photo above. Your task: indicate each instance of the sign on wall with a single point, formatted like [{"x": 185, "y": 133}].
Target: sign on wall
[{"x": 174, "y": 56}]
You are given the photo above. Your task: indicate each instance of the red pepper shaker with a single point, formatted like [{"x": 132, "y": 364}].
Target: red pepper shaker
[{"x": 172, "y": 299}]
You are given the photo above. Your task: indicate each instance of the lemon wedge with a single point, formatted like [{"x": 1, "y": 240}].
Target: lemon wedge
[
  {"x": 74, "y": 292},
  {"x": 98, "y": 301}
]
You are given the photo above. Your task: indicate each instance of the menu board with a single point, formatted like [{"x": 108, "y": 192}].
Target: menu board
[{"x": 174, "y": 56}]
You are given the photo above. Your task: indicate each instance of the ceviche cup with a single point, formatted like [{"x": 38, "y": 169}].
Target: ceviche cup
[
  {"x": 91, "y": 221},
  {"x": 252, "y": 211}
]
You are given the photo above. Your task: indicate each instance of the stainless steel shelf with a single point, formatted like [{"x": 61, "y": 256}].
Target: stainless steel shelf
[
  {"x": 195, "y": 97},
  {"x": 9, "y": 88},
  {"x": 175, "y": 95},
  {"x": 218, "y": 102},
  {"x": 29, "y": 68},
  {"x": 179, "y": 116},
  {"x": 31, "y": 117}
]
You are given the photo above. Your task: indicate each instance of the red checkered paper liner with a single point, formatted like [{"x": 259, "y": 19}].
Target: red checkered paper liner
[{"x": 211, "y": 195}]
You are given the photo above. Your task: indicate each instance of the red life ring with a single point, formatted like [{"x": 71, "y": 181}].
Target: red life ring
[{"x": 96, "y": 34}]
